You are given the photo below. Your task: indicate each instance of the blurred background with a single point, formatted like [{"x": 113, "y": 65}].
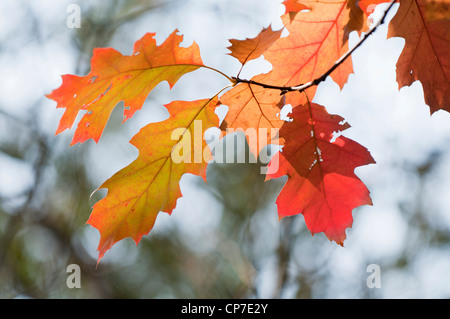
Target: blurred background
[{"x": 224, "y": 239}]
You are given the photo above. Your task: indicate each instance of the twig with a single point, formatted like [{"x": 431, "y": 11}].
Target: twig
[{"x": 303, "y": 87}]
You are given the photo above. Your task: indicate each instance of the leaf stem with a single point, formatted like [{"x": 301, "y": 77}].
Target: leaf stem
[
  {"x": 302, "y": 87},
  {"x": 231, "y": 79}
]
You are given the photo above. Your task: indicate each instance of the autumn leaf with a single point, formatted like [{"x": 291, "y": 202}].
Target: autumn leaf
[
  {"x": 253, "y": 108},
  {"x": 293, "y": 7},
  {"x": 320, "y": 167},
  {"x": 425, "y": 25},
  {"x": 368, "y": 6},
  {"x": 115, "y": 77},
  {"x": 249, "y": 49},
  {"x": 150, "y": 184},
  {"x": 318, "y": 37}
]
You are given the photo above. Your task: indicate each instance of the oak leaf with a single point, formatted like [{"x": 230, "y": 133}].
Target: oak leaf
[
  {"x": 150, "y": 184},
  {"x": 321, "y": 182},
  {"x": 292, "y": 7},
  {"x": 249, "y": 49},
  {"x": 425, "y": 25},
  {"x": 253, "y": 108},
  {"x": 318, "y": 37},
  {"x": 115, "y": 77},
  {"x": 368, "y": 6}
]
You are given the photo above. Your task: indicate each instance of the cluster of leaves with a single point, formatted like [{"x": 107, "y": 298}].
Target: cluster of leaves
[{"x": 319, "y": 164}]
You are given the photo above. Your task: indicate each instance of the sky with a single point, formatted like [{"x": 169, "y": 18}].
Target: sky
[{"x": 395, "y": 125}]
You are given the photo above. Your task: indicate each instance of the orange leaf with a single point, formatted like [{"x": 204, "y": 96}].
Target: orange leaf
[
  {"x": 425, "y": 25},
  {"x": 150, "y": 184},
  {"x": 321, "y": 181},
  {"x": 317, "y": 39},
  {"x": 249, "y": 49},
  {"x": 294, "y": 6},
  {"x": 115, "y": 77},
  {"x": 253, "y": 108}
]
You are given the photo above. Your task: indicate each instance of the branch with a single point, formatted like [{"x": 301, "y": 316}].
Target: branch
[{"x": 302, "y": 87}]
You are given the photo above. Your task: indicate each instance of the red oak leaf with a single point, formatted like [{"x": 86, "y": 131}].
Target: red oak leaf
[
  {"x": 321, "y": 181},
  {"x": 425, "y": 25},
  {"x": 318, "y": 37},
  {"x": 115, "y": 77},
  {"x": 253, "y": 109},
  {"x": 292, "y": 7},
  {"x": 150, "y": 184},
  {"x": 368, "y": 6},
  {"x": 249, "y": 49}
]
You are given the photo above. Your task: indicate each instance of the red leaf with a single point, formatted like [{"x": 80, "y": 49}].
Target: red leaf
[
  {"x": 425, "y": 25},
  {"x": 321, "y": 181},
  {"x": 368, "y": 6},
  {"x": 292, "y": 7}
]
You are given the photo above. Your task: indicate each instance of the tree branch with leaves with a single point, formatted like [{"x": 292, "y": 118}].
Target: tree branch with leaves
[{"x": 321, "y": 183}]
